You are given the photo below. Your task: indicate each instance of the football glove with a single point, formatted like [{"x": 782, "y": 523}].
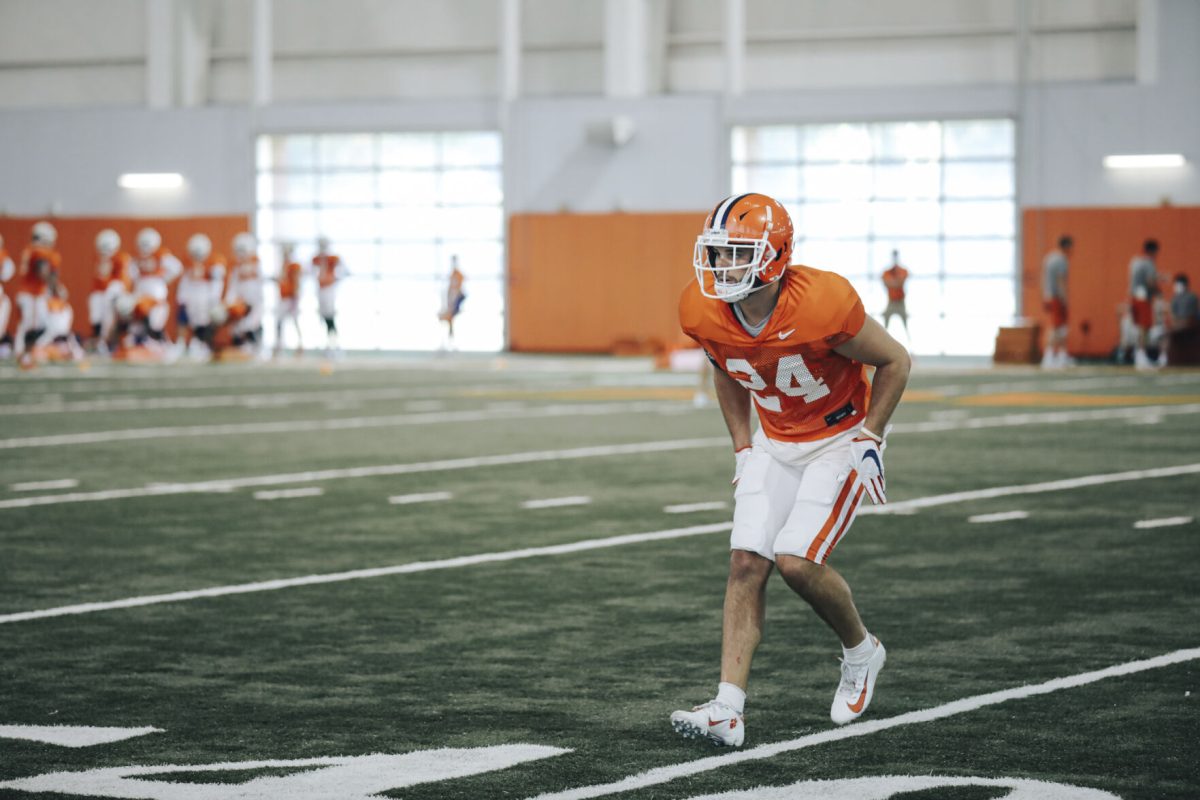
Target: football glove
[
  {"x": 866, "y": 455},
  {"x": 740, "y": 457}
]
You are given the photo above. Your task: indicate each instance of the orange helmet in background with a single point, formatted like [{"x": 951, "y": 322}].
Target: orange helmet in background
[{"x": 754, "y": 234}]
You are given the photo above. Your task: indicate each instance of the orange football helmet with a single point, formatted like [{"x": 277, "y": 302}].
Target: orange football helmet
[{"x": 750, "y": 233}]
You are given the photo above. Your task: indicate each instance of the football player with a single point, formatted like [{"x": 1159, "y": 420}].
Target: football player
[
  {"x": 7, "y": 270},
  {"x": 1143, "y": 286},
  {"x": 792, "y": 342},
  {"x": 330, "y": 271},
  {"x": 244, "y": 297},
  {"x": 1054, "y": 301},
  {"x": 40, "y": 263},
  {"x": 200, "y": 290},
  {"x": 894, "y": 278},
  {"x": 289, "y": 277},
  {"x": 454, "y": 300},
  {"x": 154, "y": 268},
  {"x": 110, "y": 281}
]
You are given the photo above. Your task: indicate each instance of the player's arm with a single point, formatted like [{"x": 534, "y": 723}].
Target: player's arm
[
  {"x": 873, "y": 345},
  {"x": 734, "y": 400}
]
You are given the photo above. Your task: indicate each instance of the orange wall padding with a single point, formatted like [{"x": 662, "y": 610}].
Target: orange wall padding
[
  {"x": 1105, "y": 241},
  {"x": 76, "y": 244},
  {"x": 595, "y": 283}
]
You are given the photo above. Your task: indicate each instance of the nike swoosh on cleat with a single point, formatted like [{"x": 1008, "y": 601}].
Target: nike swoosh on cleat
[
  {"x": 785, "y": 334},
  {"x": 713, "y": 722},
  {"x": 857, "y": 706}
]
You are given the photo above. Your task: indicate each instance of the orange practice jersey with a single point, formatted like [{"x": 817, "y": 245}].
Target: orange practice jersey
[
  {"x": 289, "y": 281},
  {"x": 37, "y": 265},
  {"x": 893, "y": 279},
  {"x": 327, "y": 269},
  {"x": 803, "y": 390},
  {"x": 110, "y": 271},
  {"x": 152, "y": 266}
]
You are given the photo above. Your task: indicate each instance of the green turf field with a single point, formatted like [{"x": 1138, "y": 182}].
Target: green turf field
[{"x": 548, "y": 669}]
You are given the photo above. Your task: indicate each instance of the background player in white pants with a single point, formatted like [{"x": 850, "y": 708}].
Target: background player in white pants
[
  {"x": 330, "y": 271},
  {"x": 110, "y": 282},
  {"x": 154, "y": 268},
  {"x": 199, "y": 291},
  {"x": 244, "y": 297},
  {"x": 7, "y": 270},
  {"x": 37, "y": 271}
]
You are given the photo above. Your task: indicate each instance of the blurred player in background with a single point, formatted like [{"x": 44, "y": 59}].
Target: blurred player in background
[
  {"x": 792, "y": 342},
  {"x": 894, "y": 278},
  {"x": 110, "y": 281},
  {"x": 1143, "y": 286},
  {"x": 57, "y": 341},
  {"x": 1054, "y": 300},
  {"x": 290, "y": 275},
  {"x": 7, "y": 270},
  {"x": 199, "y": 292},
  {"x": 454, "y": 301},
  {"x": 154, "y": 269},
  {"x": 39, "y": 267},
  {"x": 244, "y": 297},
  {"x": 330, "y": 271}
]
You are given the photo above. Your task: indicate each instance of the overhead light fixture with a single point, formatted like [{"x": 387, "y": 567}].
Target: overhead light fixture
[
  {"x": 150, "y": 180},
  {"x": 1145, "y": 161}
]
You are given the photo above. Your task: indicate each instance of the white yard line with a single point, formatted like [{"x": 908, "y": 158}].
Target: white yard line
[
  {"x": 423, "y": 497},
  {"x": 377, "y": 572},
  {"x": 345, "y": 423},
  {"x": 1045, "y": 418},
  {"x": 289, "y": 494},
  {"x": 1003, "y": 516},
  {"x": 688, "y": 508},
  {"x": 1164, "y": 522},
  {"x": 1032, "y": 488},
  {"x": 420, "y": 467},
  {"x": 557, "y": 502},
  {"x": 687, "y": 769},
  {"x": 38, "y": 486},
  {"x": 573, "y": 547}
]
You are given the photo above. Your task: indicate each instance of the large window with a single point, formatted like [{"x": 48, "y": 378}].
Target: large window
[
  {"x": 940, "y": 192},
  {"x": 396, "y": 207}
]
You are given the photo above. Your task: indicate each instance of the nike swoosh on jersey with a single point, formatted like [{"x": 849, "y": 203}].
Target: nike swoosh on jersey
[{"x": 785, "y": 334}]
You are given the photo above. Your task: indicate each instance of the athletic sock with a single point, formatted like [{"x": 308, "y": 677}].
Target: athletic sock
[
  {"x": 861, "y": 653},
  {"x": 731, "y": 695}
]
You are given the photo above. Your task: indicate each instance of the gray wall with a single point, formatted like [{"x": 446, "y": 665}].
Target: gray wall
[{"x": 557, "y": 157}]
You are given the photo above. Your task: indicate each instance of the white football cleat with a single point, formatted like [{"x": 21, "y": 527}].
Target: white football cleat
[
  {"x": 857, "y": 686},
  {"x": 714, "y": 721}
]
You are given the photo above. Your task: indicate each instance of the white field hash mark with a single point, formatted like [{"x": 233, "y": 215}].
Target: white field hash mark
[
  {"x": 423, "y": 497},
  {"x": 688, "y": 508},
  {"x": 1163, "y": 522},
  {"x": 573, "y": 547},
  {"x": 43, "y": 486},
  {"x": 557, "y": 502},
  {"x": 662, "y": 775},
  {"x": 289, "y": 494},
  {"x": 1002, "y": 516}
]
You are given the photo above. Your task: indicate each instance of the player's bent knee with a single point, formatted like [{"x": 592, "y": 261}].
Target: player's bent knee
[
  {"x": 746, "y": 566},
  {"x": 798, "y": 571}
]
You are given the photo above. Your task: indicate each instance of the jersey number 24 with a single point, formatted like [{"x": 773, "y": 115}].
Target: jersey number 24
[{"x": 792, "y": 377}]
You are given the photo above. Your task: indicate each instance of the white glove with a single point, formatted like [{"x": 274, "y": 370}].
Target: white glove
[
  {"x": 740, "y": 458},
  {"x": 866, "y": 454}
]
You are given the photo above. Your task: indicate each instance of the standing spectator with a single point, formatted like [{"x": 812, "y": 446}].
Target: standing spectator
[
  {"x": 330, "y": 271},
  {"x": 454, "y": 301},
  {"x": 1054, "y": 300},
  {"x": 1183, "y": 332},
  {"x": 894, "y": 278},
  {"x": 1143, "y": 285}
]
